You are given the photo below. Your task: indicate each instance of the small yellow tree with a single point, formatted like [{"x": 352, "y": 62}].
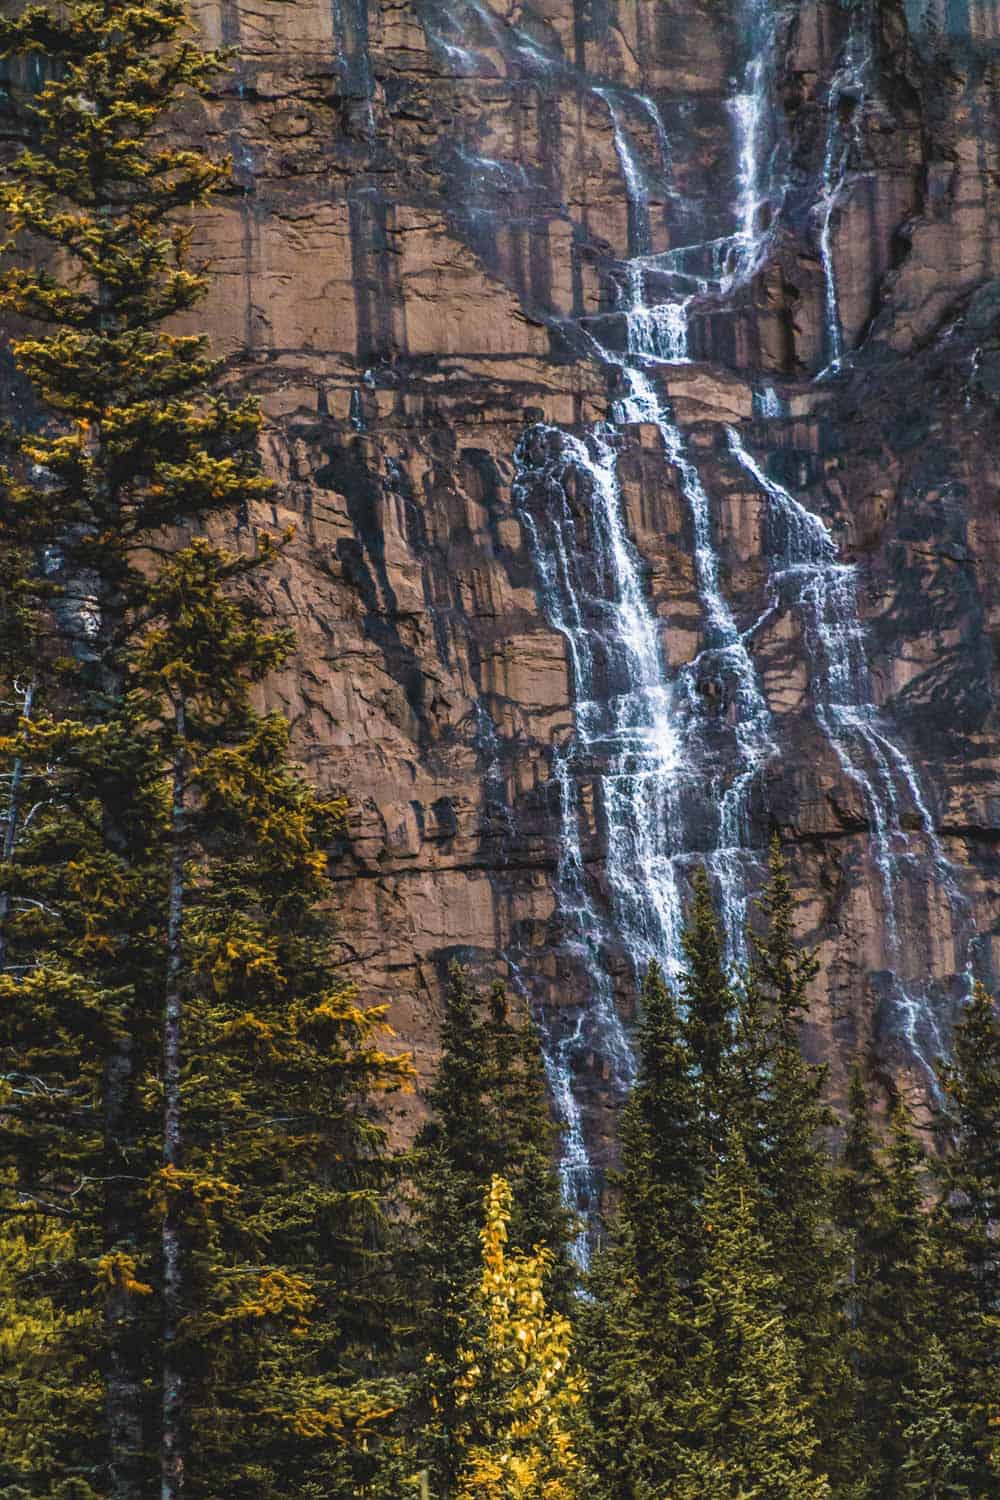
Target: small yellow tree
[{"x": 519, "y": 1388}]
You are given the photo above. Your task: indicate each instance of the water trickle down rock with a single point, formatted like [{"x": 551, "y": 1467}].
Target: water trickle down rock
[{"x": 434, "y": 259}]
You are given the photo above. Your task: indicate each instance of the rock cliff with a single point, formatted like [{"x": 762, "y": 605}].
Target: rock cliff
[{"x": 631, "y": 371}]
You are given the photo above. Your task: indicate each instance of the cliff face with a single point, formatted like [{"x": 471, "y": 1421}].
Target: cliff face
[{"x": 631, "y": 370}]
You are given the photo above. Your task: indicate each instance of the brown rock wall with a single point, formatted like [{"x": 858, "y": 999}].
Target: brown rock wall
[{"x": 426, "y": 234}]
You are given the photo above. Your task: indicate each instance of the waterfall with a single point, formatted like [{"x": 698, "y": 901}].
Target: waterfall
[
  {"x": 627, "y": 723},
  {"x": 757, "y": 140},
  {"x": 807, "y": 576},
  {"x": 662, "y": 768},
  {"x": 639, "y": 234},
  {"x": 725, "y": 650},
  {"x": 848, "y": 88},
  {"x": 671, "y": 760},
  {"x": 659, "y": 332}
]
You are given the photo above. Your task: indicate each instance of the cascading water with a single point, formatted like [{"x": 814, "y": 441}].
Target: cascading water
[
  {"x": 808, "y": 577},
  {"x": 661, "y": 768},
  {"x": 671, "y": 773},
  {"x": 626, "y": 722},
  {"x": 750, "y": 110},
  {"x": 637, "y": 195},
  {"x": 847, "y": 89},
  {"x": 655, "y": 333},
  {"x": 726, "y": 654}
]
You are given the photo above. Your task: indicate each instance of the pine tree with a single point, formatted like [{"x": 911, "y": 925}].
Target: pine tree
[
  {"x": 859, "y": 1180},
  {"x": 889, "y": 1298},
  {"x": 964, "y": 1246},
  {"x": 187, "y": 1139},
  {"x": 937, "y": 1446},
  {"x": 46, "y": 1407},
  {"x": 490, "y": 1116},
  {"x": 634, "y": 1327},
  {"x": 790, "y": 1159},
  {"x": 710, "y": 1007},
  {"x": 748, "y": 1427},
  {"x": 271, "y": 1186}
]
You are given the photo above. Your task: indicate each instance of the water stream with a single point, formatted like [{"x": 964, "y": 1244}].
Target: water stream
[
  {"x": 843, "y": 119},
  {"x": 664, "y": 766},
  {"x": 808, "y": 577}
]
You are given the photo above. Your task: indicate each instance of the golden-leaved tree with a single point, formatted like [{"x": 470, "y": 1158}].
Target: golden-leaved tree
[{"x": 519, "y": 1387}]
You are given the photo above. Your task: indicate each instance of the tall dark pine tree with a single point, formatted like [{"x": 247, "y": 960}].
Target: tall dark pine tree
[
  {"x": 186, "y": 1142},
  {"x": 490, "y": 1116},
  {"x": 880, "y": 1208},
  {"x": 710, "y": 1007},
  {"x": 938, "y": 1445},
  {"x": 965, "y": 1239},
  {"x": 635, "y": 1329},
  {"x": 747, "y": 1427},
  {"x": 637, "y": 1332},
  {"x": 789, "y": 1156}
]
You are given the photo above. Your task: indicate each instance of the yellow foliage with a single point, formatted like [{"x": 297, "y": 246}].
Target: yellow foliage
[
  {"x": 246, "y": 960},
  {"x": 119, "y": 1270},
  {"x": 525, "y": 1352},
  {"x": 278, "y": 1294},
  {"x": 202, "y": 1189}
]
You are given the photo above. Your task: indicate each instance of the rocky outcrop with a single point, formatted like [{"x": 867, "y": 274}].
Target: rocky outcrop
[{"x": 452, "y": 225}]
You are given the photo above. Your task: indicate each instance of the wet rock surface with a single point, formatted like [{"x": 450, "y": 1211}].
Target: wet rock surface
[{"x": 584, "y": 305}]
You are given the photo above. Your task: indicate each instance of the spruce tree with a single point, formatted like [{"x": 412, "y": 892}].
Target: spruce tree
[
  {"x": 490, "y": 1116},
  {"x": 937, "y": 1446},
  {"x": 634, "y": 1330},
  {"x": 965, "y": 1248},
  {"x": 748, "y": 1429},
  {"x": 709, "y": 1007},
  {"x": 889, "y": 1300},
  {"x": 187, "y": 1139},
  {"x": 789, "y": 1155}
]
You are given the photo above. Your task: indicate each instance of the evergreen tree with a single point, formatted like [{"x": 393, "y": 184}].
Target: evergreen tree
[
  {"x": 964, "y": 1240},
  {"x": 791, "y": 1163},
  {"x": 889, "y": 1294},
  {"x": 46, "y": 1406},
  {"x": 186, "y": 1134},
  {"x": 748, "y": 1427},
  {"x": 633, "y": 1329},
  {"x": 937, "y": 1446},
  {"x": 709, "y": 1006},
  {"x": 490, "y": 1116},
  {"x": 858, "y": 1184}
]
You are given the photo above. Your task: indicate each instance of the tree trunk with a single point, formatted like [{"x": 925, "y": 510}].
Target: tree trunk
[
  {"x": 172, "y": 1427},
  {"x": 11, "y": 824},
  {"x": 124, "y": 1398},
  {"x": 126, "y": 1344}
]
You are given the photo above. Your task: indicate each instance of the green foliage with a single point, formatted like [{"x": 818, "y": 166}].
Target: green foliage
[
  {"x": 880, "y": 1204},
  {"x": 490, "y": 1117},
  {"x": 788, "y": 1151},
  {"x": 193, "y": 1249},
  {"x": 193, "y": 1169},
  {"x": 936, "y": 1446},
  {"x": 748, "y": 1429},
  {"x": 720, "y": 1079},
  {"x": 964, "y": 1248},
  {"x": 710, "y": 1007},
  {"x": 635, "y": 1329}
]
